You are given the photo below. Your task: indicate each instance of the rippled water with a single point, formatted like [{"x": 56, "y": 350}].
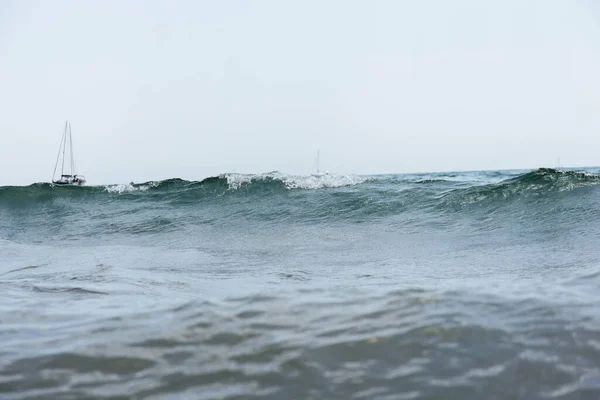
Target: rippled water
[{"x": 463, "y": 286}]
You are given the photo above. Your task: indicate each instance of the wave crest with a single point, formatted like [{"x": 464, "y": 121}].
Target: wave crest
[
  {"x": 235, "y": 181},
  {"x": 535, "y": 184}
]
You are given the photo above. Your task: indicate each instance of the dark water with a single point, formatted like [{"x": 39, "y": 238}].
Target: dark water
[{"x": 477, "y": 285}]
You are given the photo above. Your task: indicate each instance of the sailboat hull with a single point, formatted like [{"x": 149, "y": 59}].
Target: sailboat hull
[
  {"x": 62, "y": 183},
  {"x": 68, "y": 180}
]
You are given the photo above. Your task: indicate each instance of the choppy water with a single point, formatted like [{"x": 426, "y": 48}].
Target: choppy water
[{"x": 480, "y": 285}]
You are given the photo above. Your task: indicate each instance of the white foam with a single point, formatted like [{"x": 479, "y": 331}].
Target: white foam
[
  {"x": 235, "y": 180},
  {"x": 126, "y": 187}
]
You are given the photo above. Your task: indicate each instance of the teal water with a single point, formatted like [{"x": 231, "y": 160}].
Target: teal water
[{"x": 477, "y": 285}]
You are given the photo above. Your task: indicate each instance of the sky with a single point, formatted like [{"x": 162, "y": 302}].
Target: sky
[{"x": 190, "y": 89}]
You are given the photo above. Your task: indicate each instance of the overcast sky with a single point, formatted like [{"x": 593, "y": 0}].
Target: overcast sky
[{"x": 158, "y": 89}]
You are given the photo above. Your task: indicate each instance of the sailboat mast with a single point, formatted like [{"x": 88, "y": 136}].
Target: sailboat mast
[
  {"x": 72, "y": 159},
  {"x": 62, "y": 139},
  {"x": 62, "y": 168}
]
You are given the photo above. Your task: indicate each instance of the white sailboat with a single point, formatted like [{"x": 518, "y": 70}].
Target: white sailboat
[
  {"x": 68, "y": 175},
  {"x": 319, "y": 173}
]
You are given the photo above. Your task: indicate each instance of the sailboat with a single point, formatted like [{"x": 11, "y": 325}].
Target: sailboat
[
  {"x": 319, "y": 173},
  {"x": 67, "y": 175}
]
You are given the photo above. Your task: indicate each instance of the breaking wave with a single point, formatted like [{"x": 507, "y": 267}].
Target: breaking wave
[
  {"x": 349, "y": 194},
  {"x": 218, "y": 184}
]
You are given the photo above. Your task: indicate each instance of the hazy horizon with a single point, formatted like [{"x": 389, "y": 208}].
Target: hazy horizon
[{"x": 192, "y": 89}]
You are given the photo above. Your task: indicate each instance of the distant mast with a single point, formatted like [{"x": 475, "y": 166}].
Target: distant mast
[
  {"x": 318, "y": 150},
  {"x": 317, "y": 163}
]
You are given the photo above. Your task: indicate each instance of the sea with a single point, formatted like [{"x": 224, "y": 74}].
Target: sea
[{"x": 467, "y": 285}]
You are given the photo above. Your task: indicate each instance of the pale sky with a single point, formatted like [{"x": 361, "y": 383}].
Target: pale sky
[{"x": 159, "y": 89}]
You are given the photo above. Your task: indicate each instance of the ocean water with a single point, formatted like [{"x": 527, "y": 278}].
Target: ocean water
[{"x": 480, "y": 285}]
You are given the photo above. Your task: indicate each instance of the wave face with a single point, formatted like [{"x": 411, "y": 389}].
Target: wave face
[
  {"x": 278, "y": 198},
  {"x": 471, "y": 187},
  {"x": 444, "y": 285}
]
